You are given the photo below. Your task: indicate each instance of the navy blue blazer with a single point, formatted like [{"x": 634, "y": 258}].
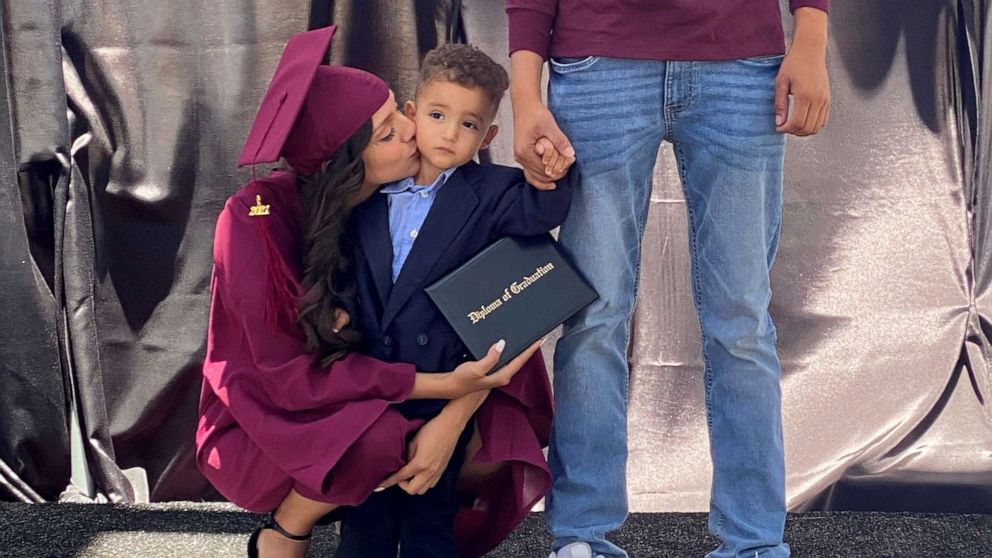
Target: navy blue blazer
[{"x": 476, "y": 206}]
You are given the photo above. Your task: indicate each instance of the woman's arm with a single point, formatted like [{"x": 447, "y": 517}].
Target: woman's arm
[
  {"x": 433, "y": 445},
  {"x": 470, "y": 377},
  {"x": 431, "y": 449}
]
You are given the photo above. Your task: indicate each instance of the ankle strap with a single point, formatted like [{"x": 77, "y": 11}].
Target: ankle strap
[{"x": 271, "y": 523}]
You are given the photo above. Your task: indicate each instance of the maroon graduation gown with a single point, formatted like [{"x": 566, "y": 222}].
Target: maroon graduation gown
[{"x": 272, "y": 419}]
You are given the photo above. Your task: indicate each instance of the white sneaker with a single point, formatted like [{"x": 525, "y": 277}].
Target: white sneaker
[{"x": 575, "y": 550}]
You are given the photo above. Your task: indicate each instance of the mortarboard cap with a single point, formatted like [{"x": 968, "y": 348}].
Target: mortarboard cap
[{"x": 310, "y": 109}]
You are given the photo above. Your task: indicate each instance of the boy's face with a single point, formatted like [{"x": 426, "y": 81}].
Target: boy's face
[{"x": 453, "y": 123}]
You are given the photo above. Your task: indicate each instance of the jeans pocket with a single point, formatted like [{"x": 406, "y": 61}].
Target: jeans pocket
[
  {"x": 567, "y": 65},
  {"x": 767, "y": 59}
]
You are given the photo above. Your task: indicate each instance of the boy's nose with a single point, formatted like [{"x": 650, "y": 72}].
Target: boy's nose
[{"x": 450, "y": 133}]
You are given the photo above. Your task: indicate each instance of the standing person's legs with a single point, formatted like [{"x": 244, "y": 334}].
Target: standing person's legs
[
  {"x": 730, "y": 159},
  {"x": 611, "y": 110}
]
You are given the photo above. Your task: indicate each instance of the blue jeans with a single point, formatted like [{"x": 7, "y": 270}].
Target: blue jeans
[{"x": 720, "y": 118}]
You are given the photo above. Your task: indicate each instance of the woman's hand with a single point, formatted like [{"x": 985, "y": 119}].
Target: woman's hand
[
  {"x": 341, "y": 319},
  {"x": 473, "y": 376},
  {"x": 429, "y": 453}
]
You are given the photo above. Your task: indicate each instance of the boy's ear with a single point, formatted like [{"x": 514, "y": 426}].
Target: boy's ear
[
  {"x": 490, "y": 136},
  {"x": 410, "y": 109}
]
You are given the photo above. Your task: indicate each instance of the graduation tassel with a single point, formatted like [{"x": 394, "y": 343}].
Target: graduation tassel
[{"x": 282, "y": 290}]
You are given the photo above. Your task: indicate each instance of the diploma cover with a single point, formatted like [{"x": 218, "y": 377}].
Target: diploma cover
[{"x": 517, "y": 289}]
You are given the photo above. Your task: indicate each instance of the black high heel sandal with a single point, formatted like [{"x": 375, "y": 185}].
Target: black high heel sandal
[{"x": 271, "y": 523}]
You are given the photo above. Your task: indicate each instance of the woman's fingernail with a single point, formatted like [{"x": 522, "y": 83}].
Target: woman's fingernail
[
  {"x": 500, "y": 345},
  {"x": 380, "y": 489}
]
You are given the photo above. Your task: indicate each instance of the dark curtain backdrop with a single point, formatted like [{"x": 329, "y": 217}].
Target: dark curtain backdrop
[{"x": 125, "y": 119}]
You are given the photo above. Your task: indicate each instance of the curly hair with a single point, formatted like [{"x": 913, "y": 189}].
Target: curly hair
[
  {"x": 328, "y": 279},
  {"x": 467, "y": 66}
]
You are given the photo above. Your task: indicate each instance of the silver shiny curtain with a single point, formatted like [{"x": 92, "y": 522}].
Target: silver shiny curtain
[{"x": 125, "y": 120}]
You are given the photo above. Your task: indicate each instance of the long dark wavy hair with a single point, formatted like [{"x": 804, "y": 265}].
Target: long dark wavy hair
[{"x": 328, "y": 279}]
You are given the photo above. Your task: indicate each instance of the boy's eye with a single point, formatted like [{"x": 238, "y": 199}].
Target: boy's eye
[
  {"x": 436, "y": 115},
  {"x": 470, "y": 125}
]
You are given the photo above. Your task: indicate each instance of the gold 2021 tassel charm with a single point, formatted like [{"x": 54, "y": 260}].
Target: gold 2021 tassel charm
[{"x": 258, "y": 210}]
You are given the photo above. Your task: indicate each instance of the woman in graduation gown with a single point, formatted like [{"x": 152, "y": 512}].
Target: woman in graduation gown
[{"x": 292, "y": 419}]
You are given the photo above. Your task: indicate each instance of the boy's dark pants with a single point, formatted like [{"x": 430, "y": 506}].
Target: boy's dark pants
[{"x": 421, "y": 525}]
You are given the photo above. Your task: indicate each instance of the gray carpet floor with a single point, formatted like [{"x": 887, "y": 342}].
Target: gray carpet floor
[{"x": 194, "y": 530}]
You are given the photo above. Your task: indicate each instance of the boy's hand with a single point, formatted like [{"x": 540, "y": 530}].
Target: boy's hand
[{"x": 555, "y": 164}]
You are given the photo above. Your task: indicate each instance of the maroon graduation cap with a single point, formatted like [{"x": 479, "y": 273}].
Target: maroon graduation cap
[{"x": 310, "y": 108}]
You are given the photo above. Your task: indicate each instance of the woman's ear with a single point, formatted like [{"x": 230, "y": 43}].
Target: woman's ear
[
  {"x": 410, "y": 109},
  {"x": 490, "y": 136}
]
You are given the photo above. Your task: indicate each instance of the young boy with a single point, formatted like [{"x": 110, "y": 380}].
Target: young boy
[{"x": 411, "y": 234}]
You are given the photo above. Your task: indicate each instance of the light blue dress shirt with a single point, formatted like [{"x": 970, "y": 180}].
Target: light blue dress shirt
[{"x": 408, "y": 208}]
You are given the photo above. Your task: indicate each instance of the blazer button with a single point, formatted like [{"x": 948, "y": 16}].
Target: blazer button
[
  {"x": 422, "y": 339},
  {"x": 387, "y": 340}
]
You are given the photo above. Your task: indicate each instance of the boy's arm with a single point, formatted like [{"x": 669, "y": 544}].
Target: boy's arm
[{"x": 525, "y": 210}]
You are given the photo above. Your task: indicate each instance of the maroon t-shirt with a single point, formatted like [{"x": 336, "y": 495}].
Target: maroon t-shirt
[{"x": 650, "y": 29}]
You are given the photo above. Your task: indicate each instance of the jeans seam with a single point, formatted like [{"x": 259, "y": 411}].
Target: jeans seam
[
  {"x": 692, "y": 84},
  {"x": 665, "y": 108},
  {"x": 672, "y": 110},
  {"x": 776, "y": 231},
  {"x": 639, "y": 226},
  {"x": 697, "y": 287}
]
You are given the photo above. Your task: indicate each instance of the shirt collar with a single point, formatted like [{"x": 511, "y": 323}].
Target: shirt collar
[{"x": 408, "y": 185}]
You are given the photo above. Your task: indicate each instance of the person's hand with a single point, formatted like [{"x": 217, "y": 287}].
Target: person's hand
[
  {"x": 803, "y": 75},
  {"x": 473, "y": 375},
  {"x": 429, "y": 453},
  {"x": 341, "y": 319},
  {"x": 532, "y": 122},
  {"x": 555, "y": 163}
]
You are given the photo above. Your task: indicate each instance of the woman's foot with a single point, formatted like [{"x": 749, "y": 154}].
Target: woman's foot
[
  {"x": 273, "y": 545},
  {"x": 272, "y": 540}
]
